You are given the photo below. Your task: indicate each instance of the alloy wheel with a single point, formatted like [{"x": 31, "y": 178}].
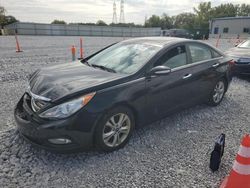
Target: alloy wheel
[
  {"x": 219, "y": 91},
  {"x": 116, "y": 130}
]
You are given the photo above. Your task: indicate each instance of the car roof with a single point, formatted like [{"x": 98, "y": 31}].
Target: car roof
[
  {"x": 165, "y": 41},
  {"x": 162, "y": 41}
]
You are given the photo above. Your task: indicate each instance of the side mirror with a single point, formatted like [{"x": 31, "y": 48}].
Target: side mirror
[{"x": 160, "y": 70}]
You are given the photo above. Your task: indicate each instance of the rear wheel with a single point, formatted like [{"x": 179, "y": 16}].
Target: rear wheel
[
  {"x": 114, "y": 129},
  {"x": 218, "y": 93}
]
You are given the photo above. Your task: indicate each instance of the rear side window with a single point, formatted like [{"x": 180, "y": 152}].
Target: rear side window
[
  {"x": 173, "y": 58},
  {"x": 199, "y": 52},
  {"x": 216, "y": 54}
]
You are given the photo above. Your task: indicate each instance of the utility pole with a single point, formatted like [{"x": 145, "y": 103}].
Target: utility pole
[
  {"x": 122, "y": 17},
  {"x": 114, "y": 13}
]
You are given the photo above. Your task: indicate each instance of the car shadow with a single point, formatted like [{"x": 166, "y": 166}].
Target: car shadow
[
  {"x": 244, "y": 77},
  {"x": 142, "y": 131},
  {"x": 187, "y": 122}
]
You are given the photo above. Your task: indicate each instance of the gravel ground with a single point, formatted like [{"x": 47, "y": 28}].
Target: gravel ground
[{"x": 173, "y": 152}]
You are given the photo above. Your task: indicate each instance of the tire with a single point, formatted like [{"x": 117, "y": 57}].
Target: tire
[
  {"x": 110, "y": 134},
  {"x": 218, "y": 92}
]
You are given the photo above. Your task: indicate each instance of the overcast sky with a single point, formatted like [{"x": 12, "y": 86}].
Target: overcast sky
[{"x": 45, "y": 11}]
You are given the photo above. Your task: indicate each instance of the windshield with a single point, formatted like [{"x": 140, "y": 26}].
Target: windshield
[
  {"x": 245, "y": 44},
  {"x": 125, "y": 58}
]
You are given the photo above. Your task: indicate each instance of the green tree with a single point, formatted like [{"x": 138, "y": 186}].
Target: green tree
[
  {"x": 9, "y": 20},
  {"x": 166, "y": 21},
  {"x": 2, "y": 16},
  {"x": 243, "y": 10},
  {"x": 2, "y": 10},
  {"x": 125, "y": 25},
  {"x": 6, "y": 20},
  {"x": 185, "y": 21},
  {"x": 153, "y": 21},
  {"x": 224, "y": 10},
  {"x": 58, "y": 22},
  {"x": 101, "y": 23},
  {"x": 200, "y": 20},
  {"x": 203, "y": 15}
]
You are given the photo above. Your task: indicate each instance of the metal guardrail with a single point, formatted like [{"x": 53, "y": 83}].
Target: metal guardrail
[{"x": 81, "y": 30}]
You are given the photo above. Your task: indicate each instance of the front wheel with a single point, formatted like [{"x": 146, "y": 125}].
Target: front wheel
[
  {"x": 114, "y": 129},
  {"x": 218, "y": 93}
]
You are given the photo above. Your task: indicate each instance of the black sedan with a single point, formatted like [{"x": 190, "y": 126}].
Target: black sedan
[
  {"x": 98, "y": 101},
  {"x": 241, "y": 56}
]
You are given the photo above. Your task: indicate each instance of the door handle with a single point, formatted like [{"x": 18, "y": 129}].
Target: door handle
[
  {"x": 216, "y": 65},
  {"x": 187, "y": 76}
]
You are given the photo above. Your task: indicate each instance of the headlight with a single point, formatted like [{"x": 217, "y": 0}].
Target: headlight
[{"x": 66, "y": 109}]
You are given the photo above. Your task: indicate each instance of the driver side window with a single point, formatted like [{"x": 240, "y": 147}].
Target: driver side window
[{"x": 173, "y": 58}]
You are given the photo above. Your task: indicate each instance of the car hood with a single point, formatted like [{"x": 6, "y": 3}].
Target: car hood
[
  {"x": 62, "y": 80},
  {"x": 239, "y": 52}
]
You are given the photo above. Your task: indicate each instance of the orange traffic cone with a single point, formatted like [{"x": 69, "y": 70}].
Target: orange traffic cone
[
  {"x": 240, "y": 174},
  {"x": 81, "y": 49},
  {"x": 73, "y": 52},
  {"x": 18, "y": 49}
]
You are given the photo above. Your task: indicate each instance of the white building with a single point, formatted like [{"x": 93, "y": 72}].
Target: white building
[{"x": 230, "y": 27}]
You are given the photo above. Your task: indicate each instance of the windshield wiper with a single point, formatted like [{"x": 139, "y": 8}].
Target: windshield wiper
[{"x": 103, "y": 68}]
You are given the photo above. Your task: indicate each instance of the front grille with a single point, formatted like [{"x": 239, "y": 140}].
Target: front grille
[{"x": 20, "y": 112}]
